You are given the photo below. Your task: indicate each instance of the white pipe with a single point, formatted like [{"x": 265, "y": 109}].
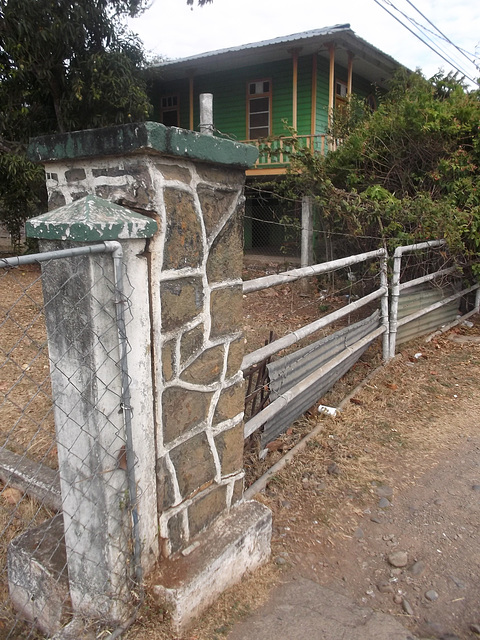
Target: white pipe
[
  {"x": 289, "y": 276},
  {"x": 292, "y": 338},
  {"x": 384, "y": 308},
  {"x": 55, "y": 255},
  {"x": 399, "y": 251},
  {"x": 395, "y": 294},
  {"x": 395, "y": 289},
  {"x": 427, "y": 278},
  {"x": 277, "y": 405}
]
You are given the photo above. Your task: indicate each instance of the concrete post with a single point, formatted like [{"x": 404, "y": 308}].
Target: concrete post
[
  {"x": 192, "y": 184},
  {"x": 87, "y": 390},
  {"x": 307, "y": 232},
  {"x": 206, "y": 113}
]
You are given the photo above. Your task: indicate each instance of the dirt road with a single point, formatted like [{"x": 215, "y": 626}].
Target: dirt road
[
  {"x": 383, "y": 506},
  {"x": 395, "y": 524}
]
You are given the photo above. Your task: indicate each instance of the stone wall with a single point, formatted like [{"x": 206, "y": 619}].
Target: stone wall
[{"x": 195, "y": 263}]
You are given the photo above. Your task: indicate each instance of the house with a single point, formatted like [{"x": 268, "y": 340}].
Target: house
[{"x": 265, "y": 90}]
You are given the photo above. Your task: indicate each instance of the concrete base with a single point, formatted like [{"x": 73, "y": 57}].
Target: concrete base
[
  {"x": 235, "y": 544},
  {"x": 37, "y": 576}
]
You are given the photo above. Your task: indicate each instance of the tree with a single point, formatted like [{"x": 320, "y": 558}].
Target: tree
[
  {"x": 406, "y": 172},
  {"x": 64, "y": 65}
]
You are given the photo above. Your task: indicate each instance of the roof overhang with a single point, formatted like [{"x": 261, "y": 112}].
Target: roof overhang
[{"x": 369, "y": 62}]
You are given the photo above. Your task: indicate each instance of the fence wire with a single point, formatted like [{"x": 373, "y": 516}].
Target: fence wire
[
  {"x": 66, "y": 546},
  {"x": 272, "y": 226}
]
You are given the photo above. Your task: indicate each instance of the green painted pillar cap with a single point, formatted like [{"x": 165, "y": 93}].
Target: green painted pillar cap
[{"x": 91, "y": 219}]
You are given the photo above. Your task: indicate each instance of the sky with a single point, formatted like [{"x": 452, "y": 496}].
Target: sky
[{"x": 171, "y": 29}]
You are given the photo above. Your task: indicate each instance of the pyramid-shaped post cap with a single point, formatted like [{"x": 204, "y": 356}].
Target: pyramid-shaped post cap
[{"x": 91, "y": 219}]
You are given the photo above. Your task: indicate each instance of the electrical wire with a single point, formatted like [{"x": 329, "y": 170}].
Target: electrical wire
[
  {"x": 462, "y": 51},
  {"x": 440, "y": 53},
  {"x": 425, "y": 31}
]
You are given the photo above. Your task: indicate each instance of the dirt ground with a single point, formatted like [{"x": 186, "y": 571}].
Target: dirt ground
[
  {"x": 397, "y": 470},
  {"x": 407, "y": 480}
]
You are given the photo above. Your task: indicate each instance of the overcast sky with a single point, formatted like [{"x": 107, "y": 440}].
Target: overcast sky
[{"x": 172, "y": 29}]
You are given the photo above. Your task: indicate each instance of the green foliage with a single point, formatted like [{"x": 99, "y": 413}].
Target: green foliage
[
  {"x": 406, "y": 172},
  {"x": 21, "y": 192},
  {"x": 63, "y": 66}
]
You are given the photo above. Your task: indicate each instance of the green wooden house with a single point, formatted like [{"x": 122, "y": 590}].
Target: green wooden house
[{"x": 298, "y": 79}]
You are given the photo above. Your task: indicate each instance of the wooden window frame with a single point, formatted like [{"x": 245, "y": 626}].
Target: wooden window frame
[
  {"x": 249, "y": 96},
  {"x": 170, "y": 109},
  {"x": 340, "y": 99}
]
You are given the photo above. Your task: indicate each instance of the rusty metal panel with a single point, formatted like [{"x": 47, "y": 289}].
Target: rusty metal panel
[
  {"x": 285, "y": 372},
  {"x": 420, "y": 297}
]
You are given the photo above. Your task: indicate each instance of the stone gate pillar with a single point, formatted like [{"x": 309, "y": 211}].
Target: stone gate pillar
[{"x": 192, "y": 185}]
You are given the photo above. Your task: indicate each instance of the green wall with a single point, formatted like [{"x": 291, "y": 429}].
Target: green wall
[
  {"x": 323, "y": 70},
  {"x": 229, "y": 89}
]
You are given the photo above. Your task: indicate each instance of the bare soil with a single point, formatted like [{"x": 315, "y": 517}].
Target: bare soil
[
  {"x": 413, "y": 429},
  {"x": 412, "y": 433}
]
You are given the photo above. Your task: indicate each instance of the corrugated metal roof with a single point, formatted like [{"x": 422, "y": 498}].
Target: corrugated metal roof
[
  {"x": 294, "y": 37},
  {"x": 370, "y": 62}
]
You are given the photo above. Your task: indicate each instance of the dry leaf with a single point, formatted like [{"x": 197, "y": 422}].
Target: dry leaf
[
  {"x": 122, "y": 458},
  {"x": 12, "y": 496},
  {"x": 355, "y": 401},
  {"x": 391, "y": 385},
  {"x": 276, "y": 445}
]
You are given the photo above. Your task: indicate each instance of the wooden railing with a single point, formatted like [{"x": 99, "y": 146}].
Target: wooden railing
[{"x": 276, "y": 152}]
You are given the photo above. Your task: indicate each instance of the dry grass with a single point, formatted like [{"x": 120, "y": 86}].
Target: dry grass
[
  {"x": 393, "y": 422},
  {"x": 26, "y": 416},
  {"x": 398, "y": 424},
  {"x": 233, "y": 605}
]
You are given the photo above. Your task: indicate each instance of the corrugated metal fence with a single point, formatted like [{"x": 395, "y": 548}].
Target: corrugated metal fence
[{"x": 418, "y": 306}]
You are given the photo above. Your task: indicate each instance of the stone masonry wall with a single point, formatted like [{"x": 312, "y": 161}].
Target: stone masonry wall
[{"x": 196, "y": 306}]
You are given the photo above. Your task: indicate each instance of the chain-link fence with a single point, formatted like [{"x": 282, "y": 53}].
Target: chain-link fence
[
  {"x": 272, "y": 226},
  {"x": 67, "y": 508}
]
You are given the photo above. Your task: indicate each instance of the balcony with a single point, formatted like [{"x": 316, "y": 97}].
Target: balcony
[{"x": 275, "y": 153}]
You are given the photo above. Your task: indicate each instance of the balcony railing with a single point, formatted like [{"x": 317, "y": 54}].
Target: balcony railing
[{"x": 276, "y": 152}]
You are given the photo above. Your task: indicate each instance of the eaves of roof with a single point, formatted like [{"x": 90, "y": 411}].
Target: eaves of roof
[{"x": 370, "y": 62}]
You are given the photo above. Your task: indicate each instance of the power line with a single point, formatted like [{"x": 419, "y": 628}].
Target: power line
[
  {"x": 442, "y": 34},
  {"x": 438, "y": 53},
  {"x": 423, "y": 29}
]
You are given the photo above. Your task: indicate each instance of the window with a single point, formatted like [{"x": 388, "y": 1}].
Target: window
[
  {"x": 169, "y": 111},
  {"x": 341, "y": 89},
  {"x": 259, "y": 101}
]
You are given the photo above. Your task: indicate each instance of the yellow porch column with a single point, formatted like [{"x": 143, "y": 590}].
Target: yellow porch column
[
  {"x": 331, "y": 89},
  {"x": 294, "y": 53},
  {"x": 350, "y": 74}
]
